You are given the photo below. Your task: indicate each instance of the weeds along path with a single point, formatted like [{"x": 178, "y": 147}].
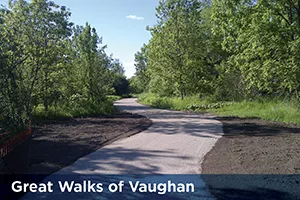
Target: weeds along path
[{"x": 176, "y": 143}]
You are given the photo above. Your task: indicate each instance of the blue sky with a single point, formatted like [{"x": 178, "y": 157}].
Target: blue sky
[{"x": 121, "y": 23}]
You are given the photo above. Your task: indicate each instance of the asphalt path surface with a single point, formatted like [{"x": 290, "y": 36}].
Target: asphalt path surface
[{"x": 176, "y": 143}]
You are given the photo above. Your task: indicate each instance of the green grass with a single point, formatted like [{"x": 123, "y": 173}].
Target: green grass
[
  {"x": 82, "y": 109},
  {"x": 272, "y": 110},
  {"x": 174, "y": 103},
  {"x": 53, "y": 113},
  {"x": 113, "y": 98}
]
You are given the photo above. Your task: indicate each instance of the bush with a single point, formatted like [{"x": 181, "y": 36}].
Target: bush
[
  {"x": 198, "y": 107},
  {"x": 90, "y": 109},
  {"x": 155, "y": 101},
  {"x": 175, "y": 103},
  {"x": 85, "y": 109},
  {"x": 112, "y": 98},
  {"x": 273, "y": 110}
]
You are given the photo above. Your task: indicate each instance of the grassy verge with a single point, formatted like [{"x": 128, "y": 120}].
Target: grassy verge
[
  {"x": 113, "y": 98},
  {"x": 272, "y": 110},
  {"x": 174, "y": 103},
  {"x": 83, "y": 109}
]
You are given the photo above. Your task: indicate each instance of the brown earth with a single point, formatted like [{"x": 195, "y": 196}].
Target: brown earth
[
  {"x": 254, "y": 146},
  {"x": 58, "y": 144},
  {"x": 255, "y": 159}
]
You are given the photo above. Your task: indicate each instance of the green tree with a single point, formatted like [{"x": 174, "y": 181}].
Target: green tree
[
  {"x": 181, "y": 56},
  {"x": 141, "y": 80},
  {"x": 95, "y": 72},
  {"x": 31, "y": 32},
  {"x": 263, "y": 40}
]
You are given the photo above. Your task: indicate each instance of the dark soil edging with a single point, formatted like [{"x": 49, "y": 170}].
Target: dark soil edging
[
  {"x": 58, "y": 144},
  {"x": 255, "y": 146},
  {"x": 255, "y": 159}
]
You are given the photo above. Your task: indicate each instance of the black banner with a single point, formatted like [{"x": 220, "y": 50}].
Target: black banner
[{"x": 90, "y": 187}]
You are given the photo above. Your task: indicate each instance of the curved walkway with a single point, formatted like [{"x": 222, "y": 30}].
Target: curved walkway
[{"x": 176, "y": 143}]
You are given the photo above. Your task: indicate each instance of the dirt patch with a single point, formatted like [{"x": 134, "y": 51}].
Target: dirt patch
[
  {"x": 254, "y": 146},
  {"x": 56, "y": 145}
]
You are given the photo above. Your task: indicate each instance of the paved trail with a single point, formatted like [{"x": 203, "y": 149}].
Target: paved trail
[{"x": 176, "y": 143}]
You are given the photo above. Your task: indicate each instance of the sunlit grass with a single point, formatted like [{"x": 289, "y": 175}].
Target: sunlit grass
[
  {"x": 281, "y": 111},
  {"x": 113, "y": 97},
  {"x": 272, "y": 110},
  {"x": 174, "y": 103},
  {"x": 83, "y": 109}
]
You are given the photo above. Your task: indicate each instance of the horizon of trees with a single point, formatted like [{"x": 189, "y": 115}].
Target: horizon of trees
[
  {"x": 224, "y": 50},
  {"x": 217, "y": 49}
]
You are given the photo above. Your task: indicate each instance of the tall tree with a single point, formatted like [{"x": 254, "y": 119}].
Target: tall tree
[
  {"x": 141, "y": 80},
  {"x": 31, "y": 33},
  {"x": 180, "y": 57},
  {"x": 263, "y": 37},
  {"x": 95, "y": 69}
]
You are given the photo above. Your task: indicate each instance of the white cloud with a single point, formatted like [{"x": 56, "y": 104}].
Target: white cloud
[{"x": 134, "y": 17}]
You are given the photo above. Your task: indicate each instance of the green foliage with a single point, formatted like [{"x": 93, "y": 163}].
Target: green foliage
[
  {"x": 121, "y": 86},
  {"x": 193, "y": 103},
  {"x": 90, "y": 109},
  {"x": 181, "y": 56},
  {"x": 263, "y": 38},
  {"x": 113, "y": 98},
  {"x": 93, "y": 74},
  {"x": 39, "y": 114},
  {"x": 269, "y": 109},
  {"x": 135, "y": 85},
  {"x": 87, "y": 109},
  {"x": 223, "y": 51},
  {"x": 155, "y": 101},
  {"x": 229, "y": 86},
  {"x": 201, "y": 107},
  {"x": 50, "y": 68},
  {"x": 29, "y": 40},
  {"x": 139, "y": 83},
  {"x": 175, "y": 103},
  {"x": 273, "y": 110}
]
